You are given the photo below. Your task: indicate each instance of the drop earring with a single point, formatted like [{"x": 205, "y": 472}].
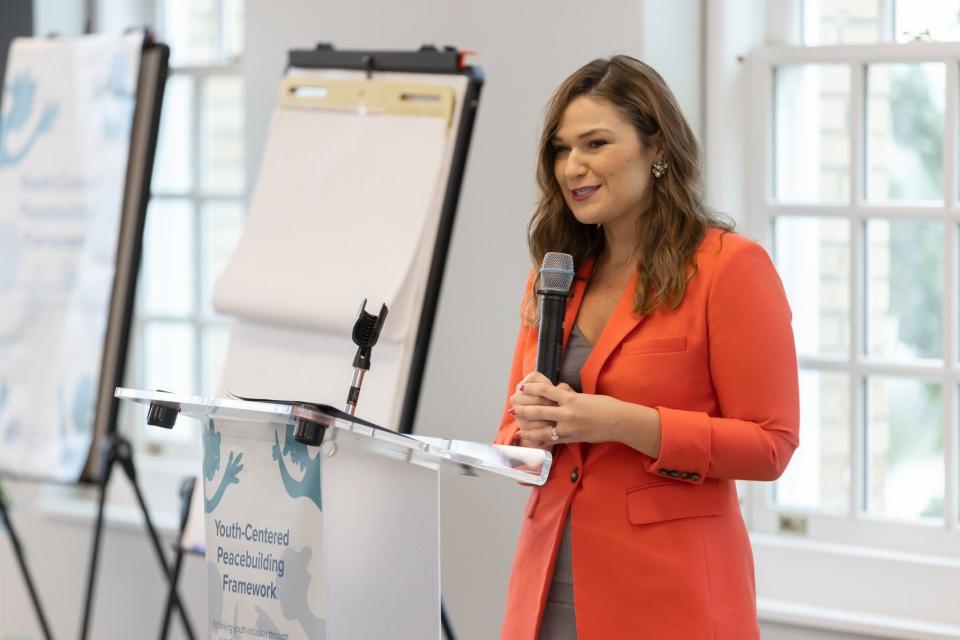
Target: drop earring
[{"x": 658, "y": 168}]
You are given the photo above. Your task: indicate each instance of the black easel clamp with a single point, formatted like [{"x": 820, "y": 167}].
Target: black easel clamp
[{"x": 427, "y": 59}]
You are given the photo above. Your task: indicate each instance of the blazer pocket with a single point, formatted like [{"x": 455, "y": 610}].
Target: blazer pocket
[
  {"x": 644, "y": 346},
  {"x": 673, "y": 500}
]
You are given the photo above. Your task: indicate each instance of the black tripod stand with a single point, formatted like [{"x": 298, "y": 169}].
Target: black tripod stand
[
  {"x": 22, "y": 561},
  {"x": 118, "y": 450}
]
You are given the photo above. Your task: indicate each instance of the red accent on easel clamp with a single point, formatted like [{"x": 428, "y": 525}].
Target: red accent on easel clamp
[{"x": 461, "y": 60}]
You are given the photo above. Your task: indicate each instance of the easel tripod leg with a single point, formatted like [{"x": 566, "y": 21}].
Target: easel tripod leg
[
  {"x": 95, "y": 552},
  {"x": 22, "y": 561},
  {"x": 118, "y": 449},
  {"x": 186, "y": 496}
]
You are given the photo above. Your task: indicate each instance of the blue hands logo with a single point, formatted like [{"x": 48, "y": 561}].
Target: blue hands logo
[
  {"x": 12, "y": 431},
  {"x": 216, "y": 605},
  {"x": 309, "y": 485},
  {"x": 22, "y": 95},
  {"x": 116, "y": 99},
  {"x": 211, "y": 463},
  {"x": 292, "y": 590},
  {"x": 76, "y": 422}
]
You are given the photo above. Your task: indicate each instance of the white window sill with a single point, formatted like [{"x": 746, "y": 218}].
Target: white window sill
[
  {"x": 159, "y": 480},
  {"x": 827, "y": 619},
  {"x": 856, "y": 589}
]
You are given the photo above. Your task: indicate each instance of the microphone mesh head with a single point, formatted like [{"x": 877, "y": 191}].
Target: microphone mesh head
[{"x": 556, "y": 272}]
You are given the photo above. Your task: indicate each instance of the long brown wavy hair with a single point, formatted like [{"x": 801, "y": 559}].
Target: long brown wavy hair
[{"x": 676, "y": 220}]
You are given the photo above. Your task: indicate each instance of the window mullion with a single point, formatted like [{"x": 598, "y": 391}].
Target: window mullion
[
  {"x": 952, "y": 240},
  {"x": 888, "y": 20},
  {"x": 197, "y": 231},
  {"x": 858, "y": 163},
  {"x": 950, "y": 408},
  {"x": 858, "y": 123},
  {"x": 858, "y": 426},
  {"x": 950, "y": 186}
]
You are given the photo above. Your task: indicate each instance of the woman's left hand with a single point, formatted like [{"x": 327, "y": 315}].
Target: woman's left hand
[{"x": 583, "y": 417}]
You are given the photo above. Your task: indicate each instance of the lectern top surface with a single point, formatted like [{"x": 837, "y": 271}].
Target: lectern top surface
[{"x": 462, "y": 457}]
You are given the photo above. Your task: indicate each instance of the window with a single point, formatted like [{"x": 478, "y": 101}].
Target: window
[
  {"x": 861, "y": 204},
  {"x": 857, "y": 198},
  {"x": 195, "y": 216}
]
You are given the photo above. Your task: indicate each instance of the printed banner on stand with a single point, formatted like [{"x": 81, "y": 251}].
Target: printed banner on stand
[
  {"x": 65, "y": 124},
  {"x": 264, "y": 533}
]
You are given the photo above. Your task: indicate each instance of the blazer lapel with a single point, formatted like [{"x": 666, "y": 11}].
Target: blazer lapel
[
  {"x": 576, "y": 298},
  {"x": 622, "y": 321},
  {"x": 569, "y": 319}
]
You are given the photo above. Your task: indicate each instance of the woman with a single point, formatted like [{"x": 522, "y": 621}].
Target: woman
[{"x": 679, "y": 377}]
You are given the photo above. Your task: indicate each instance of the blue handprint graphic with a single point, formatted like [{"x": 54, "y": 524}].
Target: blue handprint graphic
[
  {"x": 216, "y": 604},
  {"x": 309, "y": 485},
  {"x": 115, "y": 99},
  {"x": 76, "y": 421},
  {"x": 22, "y": 93},
  {"x": 211, "y": 462},
  {"x": 292, "y": 590}
]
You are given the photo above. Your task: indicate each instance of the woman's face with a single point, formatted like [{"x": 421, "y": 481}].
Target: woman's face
[{"x": 601, "y": 165}]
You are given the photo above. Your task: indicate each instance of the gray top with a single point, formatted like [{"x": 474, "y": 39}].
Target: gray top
[
  {"x": 559, "y": 618},
  {"x": 577, "y": 351}
]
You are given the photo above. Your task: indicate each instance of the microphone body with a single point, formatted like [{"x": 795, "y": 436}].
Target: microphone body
[
  {"x": 553, "y": 306},
  {"x": 556, "y": 276}
]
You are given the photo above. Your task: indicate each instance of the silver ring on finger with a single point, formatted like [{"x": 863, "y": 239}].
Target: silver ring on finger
[{"x": 554, "y": 436}]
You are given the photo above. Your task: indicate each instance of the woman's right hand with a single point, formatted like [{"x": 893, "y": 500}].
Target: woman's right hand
[{"x": 519, "y": 398}]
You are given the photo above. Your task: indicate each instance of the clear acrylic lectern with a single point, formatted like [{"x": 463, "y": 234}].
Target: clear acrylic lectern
[{"x": 380, "y": 534}]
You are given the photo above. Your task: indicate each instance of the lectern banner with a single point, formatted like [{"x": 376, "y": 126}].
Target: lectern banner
[{"x": 264, "y": 540}]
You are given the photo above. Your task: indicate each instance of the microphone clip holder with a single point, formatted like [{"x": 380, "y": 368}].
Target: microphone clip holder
[{"x": 366, "y": 332}]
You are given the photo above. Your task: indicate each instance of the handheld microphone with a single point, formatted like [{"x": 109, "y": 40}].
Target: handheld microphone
[{"x": 556, "y": 276}]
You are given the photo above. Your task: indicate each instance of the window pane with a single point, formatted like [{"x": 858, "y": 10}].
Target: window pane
[
  {"x": 216, "y": 339},
  {"x": 222, "y": 227},
  {"x": 192, "y": 28},
  {"x": 174, "y": 167},
  {"x": 905, "y": 448},
  {"x": 904, "y": 288},
  {"x": 938, "y": 19},
  {"x": 905, "y": 107},
  {"x": 167, "y": 278},
  {"x": 818, "y": 476},
  {"x": 829, "y": 22},
  {"x": 221, "y": 150},
  {"x": 170, "y": 365},
  {"x": 232, "y": 26},
  {"x": 169, "y": 356},
  {"x": 813, "y": 258},
  {"x": 812, "y": 133}
]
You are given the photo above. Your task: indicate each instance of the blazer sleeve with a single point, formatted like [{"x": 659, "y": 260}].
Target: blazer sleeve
[
  {"x": 753, "y": 366},
  {"x": 508, "y": 424}
]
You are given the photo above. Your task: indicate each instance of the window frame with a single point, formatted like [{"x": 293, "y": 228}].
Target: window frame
[
  {"x": 148, "y": 444},
  {"x": 922, "y": 554}
]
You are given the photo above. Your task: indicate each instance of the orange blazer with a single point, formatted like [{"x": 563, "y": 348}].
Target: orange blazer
[{"x": 660, "y": 549}]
